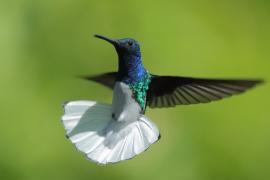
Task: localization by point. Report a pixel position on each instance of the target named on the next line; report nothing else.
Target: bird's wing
(168, 91)
(106, 79)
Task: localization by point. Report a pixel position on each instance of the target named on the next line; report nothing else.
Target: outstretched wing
(168, 91)
(106, 79)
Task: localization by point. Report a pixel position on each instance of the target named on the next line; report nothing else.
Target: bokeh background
(45, 45)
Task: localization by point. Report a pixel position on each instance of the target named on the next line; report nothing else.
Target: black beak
(113, 42)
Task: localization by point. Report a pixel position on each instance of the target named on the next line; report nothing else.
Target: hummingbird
(110, 133)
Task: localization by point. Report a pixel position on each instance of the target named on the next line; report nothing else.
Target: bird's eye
(130, 43)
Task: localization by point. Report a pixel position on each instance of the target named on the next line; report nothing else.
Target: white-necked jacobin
(109, 133)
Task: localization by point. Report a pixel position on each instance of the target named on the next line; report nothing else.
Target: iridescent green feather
(139, 89)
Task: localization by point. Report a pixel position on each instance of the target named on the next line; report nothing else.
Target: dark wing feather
(106, 79)
(168, 91)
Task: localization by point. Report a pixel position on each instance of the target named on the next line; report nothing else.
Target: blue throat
(131, 69)
(132, 72)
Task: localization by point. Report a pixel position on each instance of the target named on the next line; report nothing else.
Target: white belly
(124, 106)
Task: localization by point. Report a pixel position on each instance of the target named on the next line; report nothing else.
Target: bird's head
(129, 58)
(125, 48)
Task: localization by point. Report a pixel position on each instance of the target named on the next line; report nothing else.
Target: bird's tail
(92, 130)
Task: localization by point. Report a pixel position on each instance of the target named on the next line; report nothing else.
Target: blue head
(130, 67)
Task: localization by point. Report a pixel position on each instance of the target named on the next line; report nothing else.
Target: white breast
(124, 106)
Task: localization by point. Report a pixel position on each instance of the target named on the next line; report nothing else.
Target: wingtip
(84, 77)
(261, 81)
(257, 82)
(254, 82)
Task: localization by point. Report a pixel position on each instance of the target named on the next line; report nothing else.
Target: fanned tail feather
(92, 130)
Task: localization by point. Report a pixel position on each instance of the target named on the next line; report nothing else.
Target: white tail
(90, 127)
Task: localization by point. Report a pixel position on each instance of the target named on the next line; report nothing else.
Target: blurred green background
(45, 45)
